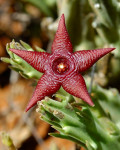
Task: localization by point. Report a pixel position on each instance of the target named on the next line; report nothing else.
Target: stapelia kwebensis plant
(74, 120)
(62, 67)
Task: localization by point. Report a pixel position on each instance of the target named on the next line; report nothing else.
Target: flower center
(60, 66)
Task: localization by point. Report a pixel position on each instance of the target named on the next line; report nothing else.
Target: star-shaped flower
(62, 67)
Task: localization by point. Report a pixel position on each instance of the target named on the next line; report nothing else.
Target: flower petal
(46, 86)
(62, 40)
(36, 59)
(76, 86)
(86, 58)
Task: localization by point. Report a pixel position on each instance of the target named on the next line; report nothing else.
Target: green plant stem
(81, 126)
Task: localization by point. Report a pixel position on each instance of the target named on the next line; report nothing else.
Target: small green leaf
(38, 49)
(4, 59)
(26, 46)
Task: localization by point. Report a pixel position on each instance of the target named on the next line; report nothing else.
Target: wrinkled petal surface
(86, 58)
(37, 60)
(76, 86)
(46, 86)
(62, 67)
(62, 40)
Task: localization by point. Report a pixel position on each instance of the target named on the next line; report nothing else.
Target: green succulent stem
(107, 19)
(79, 125)
(94, 128)
(18, 64)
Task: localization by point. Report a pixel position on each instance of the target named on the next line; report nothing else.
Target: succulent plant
(18, 64)
(62, 67)
(95, 128)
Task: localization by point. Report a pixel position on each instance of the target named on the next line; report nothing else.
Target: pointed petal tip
(109, 49)
(113, 49)
(13, 50)
(62, 19)
(27, 109)
(62, 40)
(62, 16)
(30, 105)
(90, 102)
(18, 52)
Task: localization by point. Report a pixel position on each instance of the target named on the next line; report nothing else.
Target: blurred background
(91, 24)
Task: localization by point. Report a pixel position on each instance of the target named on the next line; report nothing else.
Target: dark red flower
(62, 67)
